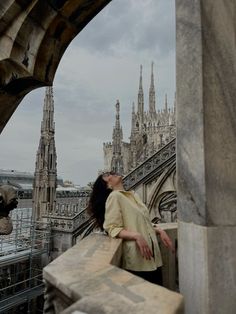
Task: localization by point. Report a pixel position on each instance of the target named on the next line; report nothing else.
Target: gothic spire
(47, 124)
(152, 101)
(140, 94)
(117, 159)
(117, 115)
(133, 119)
(166, 104)
(45, 177)
(133, 108)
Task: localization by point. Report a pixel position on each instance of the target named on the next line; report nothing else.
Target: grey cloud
(138, 24)
(100, 66)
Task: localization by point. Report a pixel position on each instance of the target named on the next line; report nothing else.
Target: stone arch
(162, 197)
(35, 35)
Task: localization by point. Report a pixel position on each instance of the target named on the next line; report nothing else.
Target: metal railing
(20, 260)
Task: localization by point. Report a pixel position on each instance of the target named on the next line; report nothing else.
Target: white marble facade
(150, 130)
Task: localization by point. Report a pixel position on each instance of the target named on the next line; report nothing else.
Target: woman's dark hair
(97, 200)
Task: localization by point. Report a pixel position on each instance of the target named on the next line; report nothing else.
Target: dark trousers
(154, 276)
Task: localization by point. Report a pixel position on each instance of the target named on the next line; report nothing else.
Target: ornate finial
(117, 114)
(140, 95)
(117, 105)
(166, 104)
(152, 100)
(133, 107)
(152, 78)
(175, 101)
(141, 79)
(48, 111)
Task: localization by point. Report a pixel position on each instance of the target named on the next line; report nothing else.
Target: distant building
(67, 196)
(21, 180)
(150, 130)
(17, 179)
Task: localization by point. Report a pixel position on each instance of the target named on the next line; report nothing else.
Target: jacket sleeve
(113, 222)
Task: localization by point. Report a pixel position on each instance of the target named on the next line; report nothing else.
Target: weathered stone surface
(6, 226)
(33, 38)
(84, 274)
(206, 111)
(206, 154)
(110, 303)
(207, 268)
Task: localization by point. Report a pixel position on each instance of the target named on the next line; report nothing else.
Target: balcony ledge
(87, 279)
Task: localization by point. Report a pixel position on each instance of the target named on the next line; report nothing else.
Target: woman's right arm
(140, 241)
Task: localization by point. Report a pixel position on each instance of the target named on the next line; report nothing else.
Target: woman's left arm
(166, 240)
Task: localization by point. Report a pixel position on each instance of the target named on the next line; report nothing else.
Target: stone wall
(206, 154)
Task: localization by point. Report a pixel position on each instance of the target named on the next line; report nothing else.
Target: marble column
(206, 154)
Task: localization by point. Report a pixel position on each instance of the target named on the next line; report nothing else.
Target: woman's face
(112, 179)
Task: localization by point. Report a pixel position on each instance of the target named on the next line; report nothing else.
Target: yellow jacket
(125, 210)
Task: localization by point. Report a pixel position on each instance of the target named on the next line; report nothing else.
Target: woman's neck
(118, 187)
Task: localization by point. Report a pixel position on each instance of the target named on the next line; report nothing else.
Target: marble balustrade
(87, 279)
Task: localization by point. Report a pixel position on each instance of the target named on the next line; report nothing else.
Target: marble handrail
(87, 279)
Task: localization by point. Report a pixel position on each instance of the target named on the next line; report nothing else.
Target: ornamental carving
(157, 161)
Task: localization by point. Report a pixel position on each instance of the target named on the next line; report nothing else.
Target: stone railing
(68, 224)
(87, 279)
(152, 166)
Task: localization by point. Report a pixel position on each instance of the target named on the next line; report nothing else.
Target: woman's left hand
(166, 240)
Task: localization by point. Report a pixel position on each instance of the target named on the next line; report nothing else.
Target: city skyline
(100, 66)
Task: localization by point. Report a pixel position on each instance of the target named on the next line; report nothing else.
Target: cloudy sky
(100, 66)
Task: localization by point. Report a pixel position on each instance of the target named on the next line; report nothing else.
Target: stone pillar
(206, 154)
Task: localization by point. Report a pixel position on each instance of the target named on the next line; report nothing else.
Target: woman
(123, 215)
